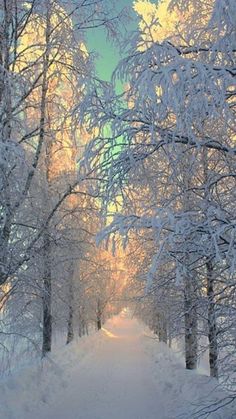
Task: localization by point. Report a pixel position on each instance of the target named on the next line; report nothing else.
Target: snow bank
(189, 394)
(31, 387)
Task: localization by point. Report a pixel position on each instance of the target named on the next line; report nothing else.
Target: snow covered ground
(120, 373)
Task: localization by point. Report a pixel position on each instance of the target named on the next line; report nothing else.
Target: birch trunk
(6, 127)
(212, 323)
(99, 315)
(70, 322)
(162, 333)
(190, 281)
(190, 317)
(212, 326)
(47, 283)
(47, 296)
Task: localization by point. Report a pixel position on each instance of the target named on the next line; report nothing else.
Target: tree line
(171, 160)
(52, 276)
(151, 169)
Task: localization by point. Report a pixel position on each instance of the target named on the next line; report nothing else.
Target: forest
(119, 194)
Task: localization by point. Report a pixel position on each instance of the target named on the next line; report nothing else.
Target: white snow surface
(121, 372)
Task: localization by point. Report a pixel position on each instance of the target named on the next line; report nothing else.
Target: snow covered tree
(44, 68)
(180, 115)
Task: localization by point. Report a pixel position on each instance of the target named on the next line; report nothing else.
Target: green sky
(108, 53)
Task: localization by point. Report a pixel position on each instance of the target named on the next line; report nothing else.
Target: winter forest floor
(121, 372)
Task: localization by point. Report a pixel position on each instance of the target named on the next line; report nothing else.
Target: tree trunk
(190, 326)
(162, 332)
(99, 323)
(70, 326)
(81, 321)
(47, 297)
(5, 135)
(6, 45)
(99, 315)
(212, 326)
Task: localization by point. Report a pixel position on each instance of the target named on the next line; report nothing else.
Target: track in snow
(115, 382)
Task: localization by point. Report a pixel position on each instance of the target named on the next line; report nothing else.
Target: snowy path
(113, 383)
(119, 373)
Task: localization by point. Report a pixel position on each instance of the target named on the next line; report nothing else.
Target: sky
(108, 53)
